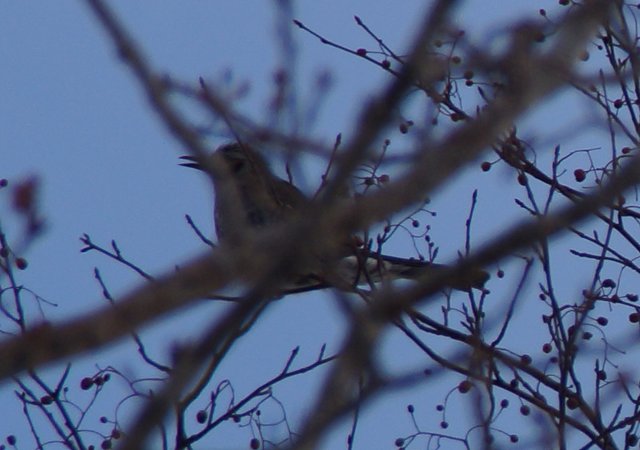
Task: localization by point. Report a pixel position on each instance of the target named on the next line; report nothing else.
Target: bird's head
(237, 160)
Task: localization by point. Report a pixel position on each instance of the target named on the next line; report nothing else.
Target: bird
(249, 197)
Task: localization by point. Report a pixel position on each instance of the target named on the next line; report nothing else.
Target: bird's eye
(237, 166)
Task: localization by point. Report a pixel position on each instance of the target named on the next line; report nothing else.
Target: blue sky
(72, 115)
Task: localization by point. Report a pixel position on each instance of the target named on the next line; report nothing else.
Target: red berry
(464, 386)
(580, 175)
(24, 195)
(86, 383)
(361, 52)
(21, 263)
(386, 64)
(522, 179)
(602, 375)
(603, 321)
(608, 283)
(485, 166)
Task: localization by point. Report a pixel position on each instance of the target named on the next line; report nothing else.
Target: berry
(86, 383)
(522, 179)
(608, 283)
(602, 375)
(603, 321)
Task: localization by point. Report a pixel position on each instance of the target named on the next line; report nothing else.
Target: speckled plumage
(249, 196)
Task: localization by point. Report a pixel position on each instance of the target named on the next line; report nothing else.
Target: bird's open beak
(192, 162)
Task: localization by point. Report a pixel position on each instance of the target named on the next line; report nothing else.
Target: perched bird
(262, 198)
(250, 197)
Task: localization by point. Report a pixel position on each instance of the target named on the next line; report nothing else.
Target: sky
(72, 115)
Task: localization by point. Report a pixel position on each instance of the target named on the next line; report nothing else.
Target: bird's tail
(369, 268)
(410, 268)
